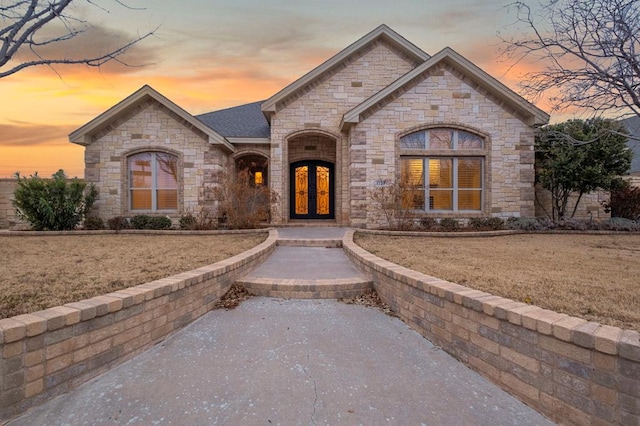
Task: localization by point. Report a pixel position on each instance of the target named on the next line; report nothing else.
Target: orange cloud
(22, 134)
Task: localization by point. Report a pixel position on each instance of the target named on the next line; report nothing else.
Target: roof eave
(82, 136)
(533, 115)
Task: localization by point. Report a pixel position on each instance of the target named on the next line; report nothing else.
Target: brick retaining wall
(46, 353)
(571, 370)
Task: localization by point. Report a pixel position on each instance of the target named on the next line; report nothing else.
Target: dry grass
(595, 277)
(41, 272)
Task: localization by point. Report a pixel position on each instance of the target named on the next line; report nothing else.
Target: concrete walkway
(289, 362)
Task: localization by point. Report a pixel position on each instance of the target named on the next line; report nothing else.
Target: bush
(159, 222)
(54, 204)
(143, 221)
(529, 223)
(93, 223)
(486, 223)
(624, 202)
(241, 203)
(428, 223)
(117, 223)
(203, 220)
(140, 221)
(449, 224)
(620, 224)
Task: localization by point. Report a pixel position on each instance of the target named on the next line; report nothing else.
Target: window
(445, 183)
(153, 181)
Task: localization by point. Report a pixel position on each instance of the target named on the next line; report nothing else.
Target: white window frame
(453, 153)
(154, 183)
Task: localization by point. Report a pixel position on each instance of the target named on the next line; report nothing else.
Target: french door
(312, 188)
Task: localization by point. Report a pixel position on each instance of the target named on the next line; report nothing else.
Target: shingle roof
(243, 121)
(633, 125)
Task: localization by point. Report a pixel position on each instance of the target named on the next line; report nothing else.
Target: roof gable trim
(383, 32)
(536, 116)
(81, 135)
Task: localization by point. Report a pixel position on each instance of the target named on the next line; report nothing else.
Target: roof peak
(382, 31)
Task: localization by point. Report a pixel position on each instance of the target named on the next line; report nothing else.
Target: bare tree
(590, 50)
(39, 32)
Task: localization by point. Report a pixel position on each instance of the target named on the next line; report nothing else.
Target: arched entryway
(312, 190)
(255, 166)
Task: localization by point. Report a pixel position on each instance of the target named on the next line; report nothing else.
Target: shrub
(203, 220)
(449, 224)
(140, 221)
(188, 222)
(143, 221)
(53, 204)
(624, 202)
(527, 224)
(579, 225)
(93, 223)
(428, 223)
(117, 223)
(395, 201)
(620, 224)
(159, 222)
(241, 203)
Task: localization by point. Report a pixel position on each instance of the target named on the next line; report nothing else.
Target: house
(633, 125)
(378, 112)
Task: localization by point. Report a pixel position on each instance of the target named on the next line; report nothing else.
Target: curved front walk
(289, 362)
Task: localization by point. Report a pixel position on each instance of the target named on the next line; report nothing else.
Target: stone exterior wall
(49, 352)
(151, 127)
(444, 98)
(573, 371)
(7, 212)
(369, 153)
(321, 107)
(634, 180)
(590, 206)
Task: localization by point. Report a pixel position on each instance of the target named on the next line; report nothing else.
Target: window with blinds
(153, 181)
(442, 183)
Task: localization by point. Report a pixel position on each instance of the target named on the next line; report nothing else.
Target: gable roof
(382, 32)
(82, 136)
(243, 121)
(535, 116)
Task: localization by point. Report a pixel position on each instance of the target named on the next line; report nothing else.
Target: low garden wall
(571, 370)
(46, 353)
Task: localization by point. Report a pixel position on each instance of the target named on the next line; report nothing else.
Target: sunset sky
(213, 54)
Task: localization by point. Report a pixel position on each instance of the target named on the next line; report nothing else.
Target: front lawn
(41, 272)
(595, 277)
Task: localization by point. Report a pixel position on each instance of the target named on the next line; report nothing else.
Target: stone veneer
(571, 370)
(444, 98)
(590, 207)
(369, 152)
(319, 109)
(8, 218)
(151, 127)
(46, 353)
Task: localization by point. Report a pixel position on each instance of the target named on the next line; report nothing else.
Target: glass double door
(312, 190)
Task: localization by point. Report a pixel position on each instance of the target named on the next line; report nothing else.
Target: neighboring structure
(378, 112)
(633, 125)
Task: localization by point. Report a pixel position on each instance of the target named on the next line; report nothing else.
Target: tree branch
(34, 26)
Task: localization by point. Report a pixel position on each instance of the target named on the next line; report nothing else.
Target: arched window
(153, 181)
(442, 170)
